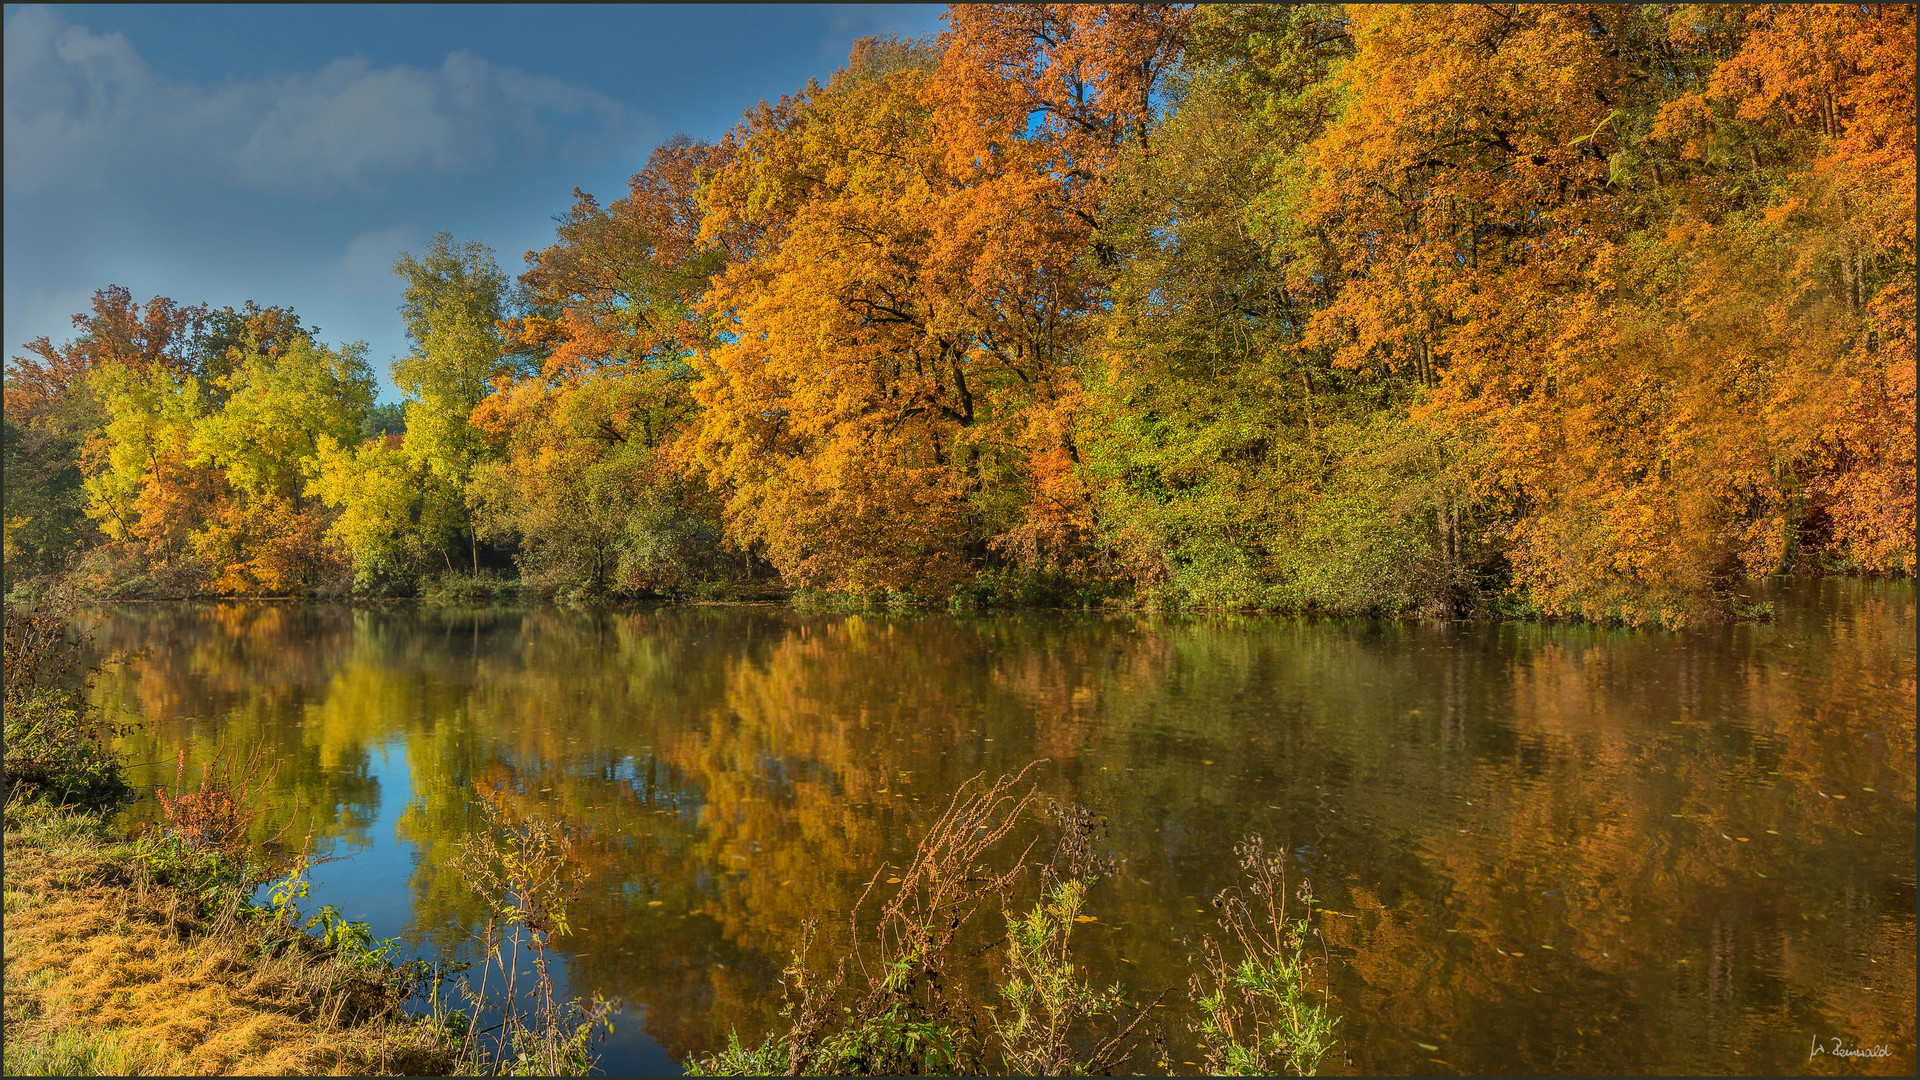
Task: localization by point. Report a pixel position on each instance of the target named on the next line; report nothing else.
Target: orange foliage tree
(1518, 228)
(894, 392)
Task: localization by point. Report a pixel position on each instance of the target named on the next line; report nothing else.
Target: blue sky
(287, 154)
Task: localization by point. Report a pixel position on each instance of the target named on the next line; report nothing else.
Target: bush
(891, 1006)
(57, 746)
(459, 585)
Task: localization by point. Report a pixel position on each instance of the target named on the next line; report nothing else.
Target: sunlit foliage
(1588, 311)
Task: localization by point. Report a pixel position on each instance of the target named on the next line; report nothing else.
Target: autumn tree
(1517, 228)
(583, 485)
(830, 404)
(894, 396)
(454, 303)
(281, 402)
(1035, 105)
(1584, 310)
(1833, 87)
(51, 413)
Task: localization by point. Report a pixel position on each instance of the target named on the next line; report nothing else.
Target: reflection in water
(1547, 848)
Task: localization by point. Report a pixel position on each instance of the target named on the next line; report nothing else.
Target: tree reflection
(1545, 848)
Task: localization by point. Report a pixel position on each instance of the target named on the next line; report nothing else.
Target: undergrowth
(522, 867)
(895, 1003)
(56, 745)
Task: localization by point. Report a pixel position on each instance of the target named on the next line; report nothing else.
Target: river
(1538, 848)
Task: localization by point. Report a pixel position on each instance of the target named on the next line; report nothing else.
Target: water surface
(1543, 849)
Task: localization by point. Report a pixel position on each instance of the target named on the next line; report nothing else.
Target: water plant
(887, 1007)
(1259, 1012)
(522, 866)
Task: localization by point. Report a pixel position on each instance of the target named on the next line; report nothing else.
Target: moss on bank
(109, 972)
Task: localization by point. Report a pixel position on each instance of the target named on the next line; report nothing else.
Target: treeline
(1581, 310)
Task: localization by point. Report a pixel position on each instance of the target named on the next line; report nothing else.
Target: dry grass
(107, 974)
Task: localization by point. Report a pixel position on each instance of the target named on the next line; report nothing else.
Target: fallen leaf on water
(893, 881)
(1773, 832)
(1867, 789)
(1086, 918)
(1451, 930)
(1742, 839)
(1546, 946)
(1839, 796)
(655, 903)
(1429, 1047)
(1206, 762)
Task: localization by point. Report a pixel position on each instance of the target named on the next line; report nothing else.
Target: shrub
(1259, 1014)
(522, 866)
(57, 745)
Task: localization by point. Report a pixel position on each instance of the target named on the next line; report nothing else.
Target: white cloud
(81, 106)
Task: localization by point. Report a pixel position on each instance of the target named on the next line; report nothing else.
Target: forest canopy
(1589, 311)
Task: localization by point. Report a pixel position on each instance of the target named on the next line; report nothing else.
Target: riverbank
(111, 972)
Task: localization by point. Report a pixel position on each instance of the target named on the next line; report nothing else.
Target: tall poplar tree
(454, 302)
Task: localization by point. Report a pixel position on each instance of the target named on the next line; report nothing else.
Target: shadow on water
(1545, 848)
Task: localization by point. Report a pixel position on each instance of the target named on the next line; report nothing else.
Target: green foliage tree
(392, 516)
(454, 303)
(229, 333)
(384, 420)
(279, 404)
(44, 515)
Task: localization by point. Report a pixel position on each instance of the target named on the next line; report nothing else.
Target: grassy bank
(111, 971)
(177, 948)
